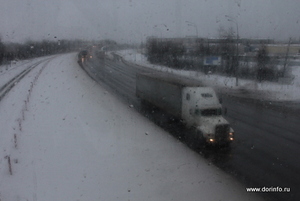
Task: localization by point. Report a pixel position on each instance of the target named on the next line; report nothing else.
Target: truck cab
(203, 111)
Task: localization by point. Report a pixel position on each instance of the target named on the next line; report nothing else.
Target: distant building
(282, 49)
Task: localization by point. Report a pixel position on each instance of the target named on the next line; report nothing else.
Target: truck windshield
(209, 112)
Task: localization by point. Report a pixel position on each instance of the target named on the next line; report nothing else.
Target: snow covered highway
(68, 138)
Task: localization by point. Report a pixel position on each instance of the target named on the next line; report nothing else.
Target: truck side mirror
(220, 100)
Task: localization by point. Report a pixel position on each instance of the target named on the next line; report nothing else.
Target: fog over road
(264, 153)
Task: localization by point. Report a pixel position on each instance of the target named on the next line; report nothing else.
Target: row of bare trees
(30, 49)
(174, 53)
(165, 52)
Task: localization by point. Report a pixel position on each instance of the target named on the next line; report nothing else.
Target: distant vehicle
(197, 106)
(82, 56)
(84, 53)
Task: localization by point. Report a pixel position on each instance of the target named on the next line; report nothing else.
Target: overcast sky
(134, 20)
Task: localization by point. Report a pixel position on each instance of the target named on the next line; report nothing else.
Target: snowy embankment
(70, 139)
(264, 90)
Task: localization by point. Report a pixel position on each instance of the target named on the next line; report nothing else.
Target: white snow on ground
(76, 141)
(265, 90)
(9, 71)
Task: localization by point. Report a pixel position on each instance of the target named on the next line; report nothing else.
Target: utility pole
(236, 69)
(156, 27)
(194, 25)
(286, 57)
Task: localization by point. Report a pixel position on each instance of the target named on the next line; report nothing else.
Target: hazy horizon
(132, 21)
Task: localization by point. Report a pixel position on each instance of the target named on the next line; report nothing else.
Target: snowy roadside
(263, 91)
(9, 71)
(79, 142)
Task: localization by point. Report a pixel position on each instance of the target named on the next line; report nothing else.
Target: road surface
(265, 153)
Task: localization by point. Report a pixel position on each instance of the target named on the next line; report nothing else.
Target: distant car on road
(82, 55)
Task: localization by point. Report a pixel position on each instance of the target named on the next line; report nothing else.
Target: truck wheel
(194, 139)
(189, 139)
(201, 140)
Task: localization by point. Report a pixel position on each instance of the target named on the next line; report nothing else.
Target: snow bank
(78, 142)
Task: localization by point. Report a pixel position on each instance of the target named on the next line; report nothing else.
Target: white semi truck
(188, 100)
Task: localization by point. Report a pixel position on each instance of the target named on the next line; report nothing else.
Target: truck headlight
(231, 136)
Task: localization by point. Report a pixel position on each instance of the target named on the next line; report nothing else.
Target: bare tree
(227, 48)
(2, 50)
(263, 59)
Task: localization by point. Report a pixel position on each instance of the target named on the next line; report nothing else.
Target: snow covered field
(265, 90)
(70, 139)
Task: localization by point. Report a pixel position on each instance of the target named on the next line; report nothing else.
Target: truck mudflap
(194, 138)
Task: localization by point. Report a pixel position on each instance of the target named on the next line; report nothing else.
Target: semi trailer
(195, 104)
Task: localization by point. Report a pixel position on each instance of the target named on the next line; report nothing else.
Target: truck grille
(222, 132)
